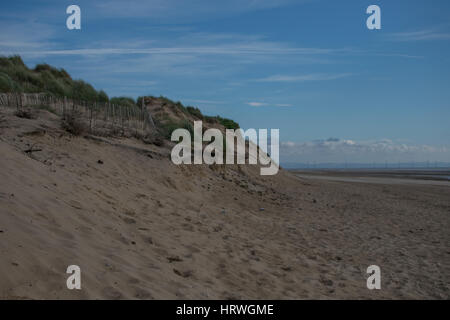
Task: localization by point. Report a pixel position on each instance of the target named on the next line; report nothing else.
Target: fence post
(90, 115)
(113, 116)
(122, 118)
(148, 117)
(142, 113)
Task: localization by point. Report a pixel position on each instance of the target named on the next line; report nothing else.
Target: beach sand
(140, 227)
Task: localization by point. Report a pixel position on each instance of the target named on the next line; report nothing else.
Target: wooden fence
(96, 114)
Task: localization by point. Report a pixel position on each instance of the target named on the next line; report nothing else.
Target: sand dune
(140, 227)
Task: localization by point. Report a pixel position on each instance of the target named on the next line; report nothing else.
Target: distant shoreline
(380, 176)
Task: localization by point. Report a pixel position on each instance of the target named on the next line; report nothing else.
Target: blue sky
(310, 68)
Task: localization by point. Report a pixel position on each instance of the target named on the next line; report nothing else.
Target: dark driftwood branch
(32, 150)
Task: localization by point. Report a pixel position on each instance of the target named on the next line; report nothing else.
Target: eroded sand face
(140, 227)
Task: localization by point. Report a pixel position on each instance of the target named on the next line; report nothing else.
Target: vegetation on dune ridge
(15, 76)
(196, 113)
(124, 101)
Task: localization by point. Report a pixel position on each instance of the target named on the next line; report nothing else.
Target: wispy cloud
(226, 49)
(16, 38)
(420, 35)
(305, 77)
(184, 10)
(264, 104)
(204, 101)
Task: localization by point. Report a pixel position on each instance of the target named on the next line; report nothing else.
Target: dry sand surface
(438, 177)
(140, 227)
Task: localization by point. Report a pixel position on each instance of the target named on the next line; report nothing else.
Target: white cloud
(340, 150)
(257, 104)
(305, 77)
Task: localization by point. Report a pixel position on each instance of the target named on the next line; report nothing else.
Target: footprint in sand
(184, 274)
(129, 220)
(111, 293)
(75, 204)
(142, 294)
(174, 259)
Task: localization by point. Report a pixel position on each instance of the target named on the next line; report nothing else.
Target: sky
(337, 91)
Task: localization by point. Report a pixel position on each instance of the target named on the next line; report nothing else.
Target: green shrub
(166, 100)
(102, 96)
(166, 128)
(73, 124)
(43, 67)
(5, 62)
(83, 91)
(6, 84)
(54, 86)
(228, 123)
(124, 101)
(16, 76)
(17, 60)
(195, 112)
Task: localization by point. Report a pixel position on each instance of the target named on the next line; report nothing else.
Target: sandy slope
(140, 227)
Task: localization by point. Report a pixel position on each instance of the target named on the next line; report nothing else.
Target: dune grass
(15, 76)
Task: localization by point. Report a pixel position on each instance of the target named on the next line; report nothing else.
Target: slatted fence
(96, 114)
